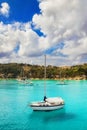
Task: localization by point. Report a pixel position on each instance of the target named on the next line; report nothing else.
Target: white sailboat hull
(48, 105)
(47, 108)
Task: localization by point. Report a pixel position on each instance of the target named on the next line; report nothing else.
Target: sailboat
(61, 81)
(23, 79)
(47, 104)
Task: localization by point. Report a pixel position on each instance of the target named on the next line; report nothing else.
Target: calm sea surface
(15, 114)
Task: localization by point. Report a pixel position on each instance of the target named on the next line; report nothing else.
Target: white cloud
(4, 9)
(19, 43)
(60, 21)
(64, 21)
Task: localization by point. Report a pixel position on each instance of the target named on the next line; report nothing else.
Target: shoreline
(62, 79)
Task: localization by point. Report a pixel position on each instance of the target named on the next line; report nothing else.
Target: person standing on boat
(45, 98)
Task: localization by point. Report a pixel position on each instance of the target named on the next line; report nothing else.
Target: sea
(16, 114)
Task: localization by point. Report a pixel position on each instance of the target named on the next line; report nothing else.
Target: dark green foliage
(14, 70)
(10, 70)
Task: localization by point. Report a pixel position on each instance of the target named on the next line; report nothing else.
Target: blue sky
(30, 28)
(21, 10)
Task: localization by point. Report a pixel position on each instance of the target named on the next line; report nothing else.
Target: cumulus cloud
(4, 9)
(64, 27)
(64, 21)
(18, 42)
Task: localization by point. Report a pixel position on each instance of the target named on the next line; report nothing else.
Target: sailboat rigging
(45, 80)
(61, 81)
(47, 104)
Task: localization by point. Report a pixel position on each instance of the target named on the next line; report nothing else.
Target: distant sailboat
(61, 81)
(23, 79)
(47, 104)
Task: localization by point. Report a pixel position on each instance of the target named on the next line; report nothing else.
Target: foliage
(14, 70)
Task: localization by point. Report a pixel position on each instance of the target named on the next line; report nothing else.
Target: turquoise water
(15, 114)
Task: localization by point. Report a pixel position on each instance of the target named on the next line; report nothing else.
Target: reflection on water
(60, 117)
(57, 115)
(46, 120)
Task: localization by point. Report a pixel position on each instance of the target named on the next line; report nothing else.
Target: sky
(29, 29)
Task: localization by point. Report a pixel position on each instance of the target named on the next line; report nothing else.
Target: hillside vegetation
(14, 70)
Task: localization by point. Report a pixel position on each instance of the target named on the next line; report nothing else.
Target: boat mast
(45, 78)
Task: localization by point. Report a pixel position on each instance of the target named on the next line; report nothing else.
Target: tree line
(15, 70)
